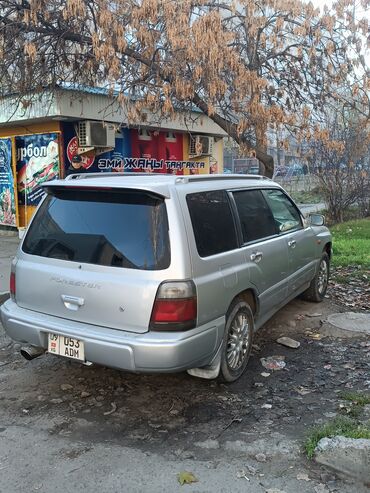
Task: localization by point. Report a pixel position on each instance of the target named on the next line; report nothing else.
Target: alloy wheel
(322, 278)
(238, 341)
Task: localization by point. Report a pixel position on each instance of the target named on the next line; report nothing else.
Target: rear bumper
(149, 352)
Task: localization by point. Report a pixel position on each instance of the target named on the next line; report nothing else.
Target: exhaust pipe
(31, 352)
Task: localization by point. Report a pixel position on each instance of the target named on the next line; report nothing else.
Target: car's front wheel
(319, 284)
(237, 343)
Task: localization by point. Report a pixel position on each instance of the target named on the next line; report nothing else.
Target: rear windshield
(116, 228)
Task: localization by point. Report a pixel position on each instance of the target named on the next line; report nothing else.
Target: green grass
(357, 398)
(351, 244)
(356, 402)
(342, 426)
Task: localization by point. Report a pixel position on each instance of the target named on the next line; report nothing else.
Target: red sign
(72, 150)
(160, 146)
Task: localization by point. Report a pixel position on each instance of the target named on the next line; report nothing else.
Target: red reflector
(12, 283)
(174, 311)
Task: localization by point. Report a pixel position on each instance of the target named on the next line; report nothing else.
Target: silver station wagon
(161, 273)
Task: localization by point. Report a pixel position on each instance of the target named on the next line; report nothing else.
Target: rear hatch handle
(72, 302)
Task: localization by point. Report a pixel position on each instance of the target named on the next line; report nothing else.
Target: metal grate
(82, 134)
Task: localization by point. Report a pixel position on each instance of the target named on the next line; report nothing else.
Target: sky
(360, 13)
(321, 3)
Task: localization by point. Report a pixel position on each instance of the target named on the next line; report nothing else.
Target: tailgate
(95, 256)
(116, 299)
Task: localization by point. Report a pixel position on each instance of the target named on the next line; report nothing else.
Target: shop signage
(146, 164)
(37, 162)
(7, 200)
(72, 150)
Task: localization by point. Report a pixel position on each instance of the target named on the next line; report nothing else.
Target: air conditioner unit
(200, 145)
(96, 134)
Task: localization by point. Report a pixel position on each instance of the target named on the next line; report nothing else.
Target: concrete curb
(349, 456)
(9, 233)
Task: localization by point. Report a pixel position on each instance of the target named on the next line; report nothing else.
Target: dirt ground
(214, 430)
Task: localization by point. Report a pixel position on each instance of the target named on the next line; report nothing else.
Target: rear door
(217, 260)
(265, 251)
(95, 256)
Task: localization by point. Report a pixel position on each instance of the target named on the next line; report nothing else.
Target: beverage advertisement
(37, 162)
(7, 196)
(164, 149)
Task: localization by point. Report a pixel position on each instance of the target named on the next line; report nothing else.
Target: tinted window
(115, 228)
(213, 223)
(255, 216)
(285, 212)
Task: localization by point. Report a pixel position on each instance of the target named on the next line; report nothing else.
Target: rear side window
(212, 221)
(256, 218)
(115, 228)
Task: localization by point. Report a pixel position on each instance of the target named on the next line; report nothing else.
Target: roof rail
(178, 179)
(193, 178)
(101, 174)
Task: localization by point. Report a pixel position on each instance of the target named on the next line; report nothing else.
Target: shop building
(41, 136)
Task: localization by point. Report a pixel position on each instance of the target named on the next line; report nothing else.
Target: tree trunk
(267, 160)
(232, 130)
(278, 157)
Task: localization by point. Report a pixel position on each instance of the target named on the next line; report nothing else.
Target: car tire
(237, 342)
(319, 284)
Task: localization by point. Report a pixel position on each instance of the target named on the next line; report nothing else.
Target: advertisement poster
(7, 200)
(135, 151)
(115, 159)
(108, 161)
(37, 162)
(163, 147)
(72, 150)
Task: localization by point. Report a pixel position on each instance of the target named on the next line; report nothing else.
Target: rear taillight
(175, 306)
(12, 285)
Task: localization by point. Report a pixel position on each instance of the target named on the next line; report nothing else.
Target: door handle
(292, 243)
(256, 256)
(72, 302)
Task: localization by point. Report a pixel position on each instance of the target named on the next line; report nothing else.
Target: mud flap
(210, 371)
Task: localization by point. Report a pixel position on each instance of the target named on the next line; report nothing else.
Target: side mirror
(316, 220)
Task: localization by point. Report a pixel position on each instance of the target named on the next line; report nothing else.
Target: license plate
(66, 346)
